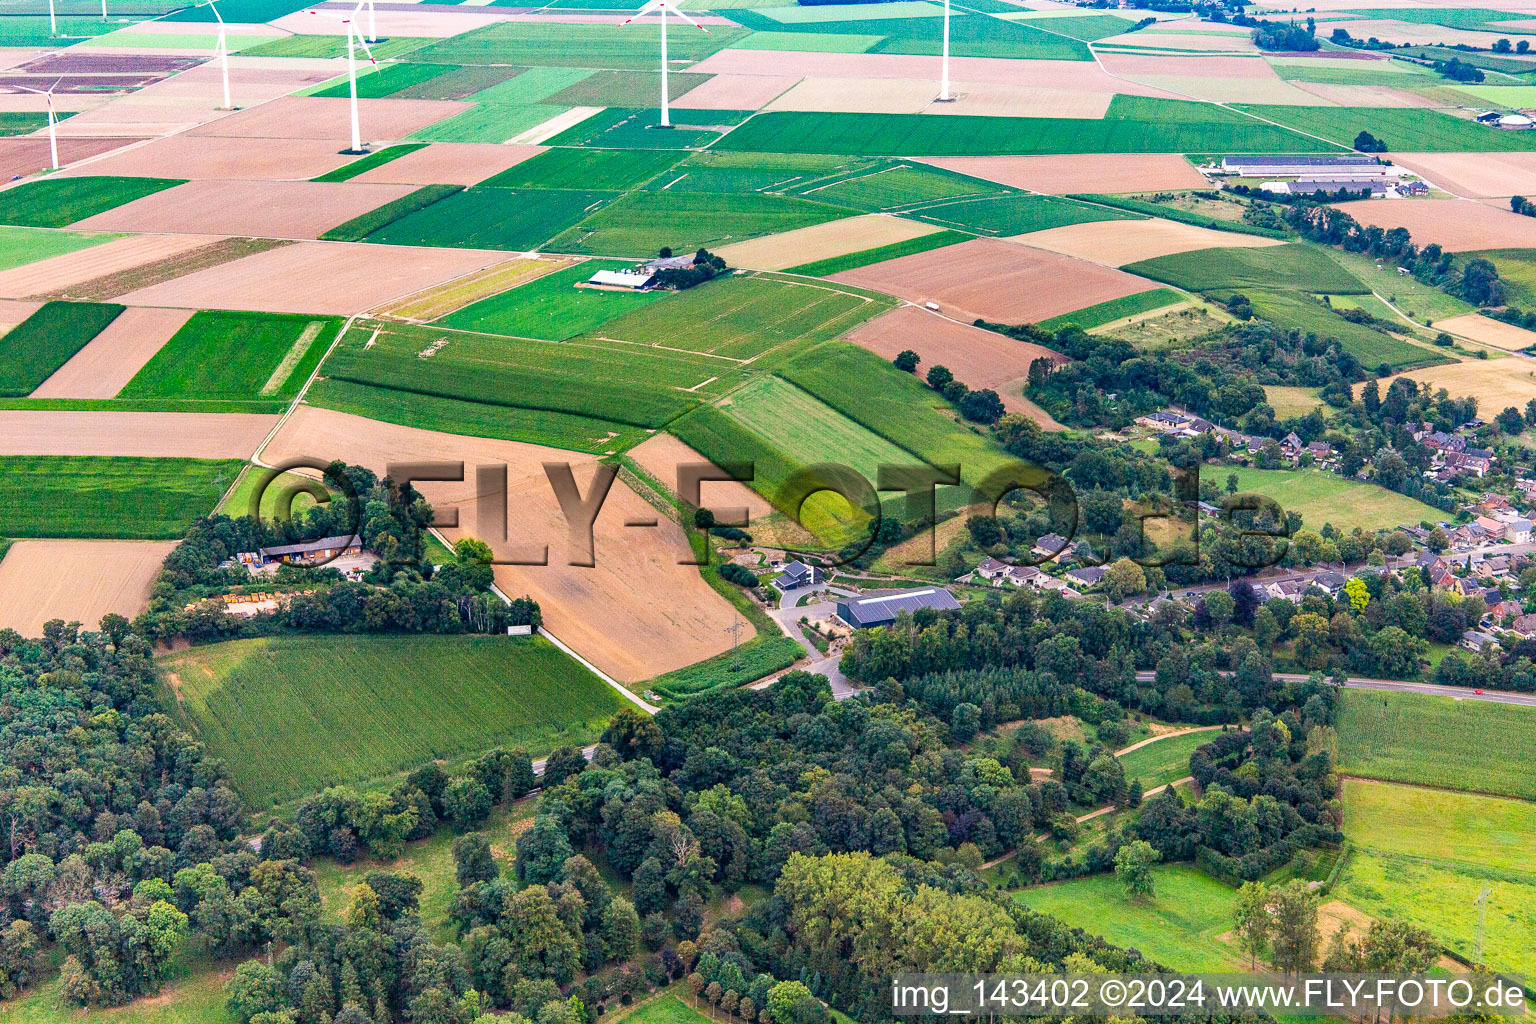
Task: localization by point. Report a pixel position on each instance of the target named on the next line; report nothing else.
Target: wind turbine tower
(663, 7)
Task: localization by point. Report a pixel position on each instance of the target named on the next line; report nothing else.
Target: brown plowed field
(450, 163)
(996, 280)
(663, 453)
(735, 92)
(859, 95)
(181, 156)
(1114, 243)
(1475, 175)
(169, 435)
(1139, 64)
(1456, 224)
(13, 313)
(280, 209)
(111, 257)
(76, 580)
(1073, 75)
(1060, 175)
(822, 241)
(316, 277)
(106, 365)
(28, 156)
(324, 117)
(984, 99)
(1366, 95)
(421, 24)
(635, 614)
(110, 286)
(980, 358)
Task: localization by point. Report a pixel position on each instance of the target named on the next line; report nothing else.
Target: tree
(907, 360)
(939, 376)
(1251, 921)
(542, 851)
(1133, 867)
(1293, 937)
(981, 406)
(255, 988)
(633, 735)
(472, 860)
(466, 801)
(1124, 578)
(790, 1002)
(1365, 142)
(1358, 593)
(562, 763)
(1220, 606)
(703, 519)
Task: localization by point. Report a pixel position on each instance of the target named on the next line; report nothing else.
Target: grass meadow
(551, 307)
(31, 351)
(500, 218)
(59, 202)
(1296, 266)
(1165, 761)
(1014, 214)
(1115, 309)
(232, 355)
(1323, 497)
(1471, 745)
(616, 169)
(370, 706)
(1178, 927)
(896, 185)
(641, 223)
(20, 246)
(97, 497)
(1294, 309)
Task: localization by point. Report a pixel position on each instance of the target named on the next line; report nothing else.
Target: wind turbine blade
(215, 9)
(364, 44)
(672, 10)
(650, 5)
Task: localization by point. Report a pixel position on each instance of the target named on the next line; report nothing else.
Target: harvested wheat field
(823, 241)
(983, 359)
(450, 163)
(987, 100)
(1456, 224)
(1366, 95)
(735, 92)
(110, 286)
(1233, 89)
(996, 280)
(169, 435)
(105, 366)
(662, 454)
(76, 580)
(1073, 75)
(112, 257)
(1475, 175)
(635, 614)
(23, 156)
(858, 96)
(316, 277)
(1194, 42)
(324, 117)
(275, 209)
(13, 313)
(1415, 34)
(1059, 175)
(181, 156)
(1114, 243)
(1488, 331)
(443, 299)
(1495, 383)
(1138, 65)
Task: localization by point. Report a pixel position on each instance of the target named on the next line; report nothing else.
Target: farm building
(1351, 166)
(1328, 186)
(310, 552)
(797, 574)
(636, 279)
(869, 612)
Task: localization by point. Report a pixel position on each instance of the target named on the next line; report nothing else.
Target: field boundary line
(1351, 777)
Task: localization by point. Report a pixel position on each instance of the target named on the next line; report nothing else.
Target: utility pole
(735, 629)
(1482, 912)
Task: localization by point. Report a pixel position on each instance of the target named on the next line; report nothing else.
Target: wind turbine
(354, 39)
(944, 96)
(223, 51)
(663, 6)
(53, 142)
(53, 22)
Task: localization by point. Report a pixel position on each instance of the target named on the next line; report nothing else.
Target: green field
(490, 123)
(1297, 265)
(1090, 27)
(668, 1009)
(93, 497)
(714, 171)
(377, 158)
(742, 317)
(633, 384)
(58, 202)
(636, 128)
(381, 217)
(1299, 311)
(1404, 130)
(579, 46)
(1438, 741)
(1165, 761)
(232, 355)
(642, 222)
(529, 85)
(20, 246)
(879, 254)
(897, 185)
(492, 218)
(1179, 927)
(1424, 856)
(956, 135)
(194, 994)
(755, 659)
(329, 48)
(815, 42)
(369, 706)
(551, 307)
(475, 419)
(1115, 309)
(1323, 497)
(1293, 401)
(971, 35)
(32, 350)
(386, 81)
(1015, 214)
(616, 169)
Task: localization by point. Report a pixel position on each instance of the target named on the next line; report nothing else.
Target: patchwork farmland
(360, 593)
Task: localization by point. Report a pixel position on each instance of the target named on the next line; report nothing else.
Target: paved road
(1405, 686)
(788, 619)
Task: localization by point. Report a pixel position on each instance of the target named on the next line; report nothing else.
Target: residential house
(1290, 445)
(1050, 546)
(1087, 576)
(1330, 582)
(998, 573)
(798, 574)
(1525, 625)
(1476, 640)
